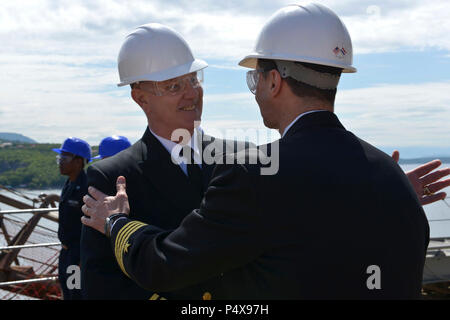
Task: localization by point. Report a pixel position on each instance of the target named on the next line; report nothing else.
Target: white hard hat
(309, 33)
(154, 52)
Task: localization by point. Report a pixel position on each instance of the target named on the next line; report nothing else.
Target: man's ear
(139, 97)
(275, 82)
(80, 162)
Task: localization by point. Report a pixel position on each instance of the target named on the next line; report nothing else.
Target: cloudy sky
(58, 68)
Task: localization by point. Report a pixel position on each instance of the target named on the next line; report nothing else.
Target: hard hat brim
(167, 74)
(251, 60)
(97, 157)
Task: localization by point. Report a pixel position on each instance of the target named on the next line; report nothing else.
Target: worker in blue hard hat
(111, 145)
(72, 157)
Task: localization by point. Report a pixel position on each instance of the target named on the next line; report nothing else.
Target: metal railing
(447, 246)
(12, 283)
(51, 214)
(27, 246)
(21, 211)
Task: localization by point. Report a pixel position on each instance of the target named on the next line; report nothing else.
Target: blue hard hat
(76, 146)
(109, 146)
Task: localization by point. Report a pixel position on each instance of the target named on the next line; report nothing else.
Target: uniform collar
(326, 119)
(298, 117)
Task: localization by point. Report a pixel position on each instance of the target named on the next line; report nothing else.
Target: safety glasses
(63, 158)
(253, 78)
(176, 86)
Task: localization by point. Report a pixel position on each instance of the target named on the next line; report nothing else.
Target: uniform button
(207, 296)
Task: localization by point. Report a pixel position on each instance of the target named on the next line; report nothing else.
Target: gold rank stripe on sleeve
(122, 244)
(122, 241)
(156, 296)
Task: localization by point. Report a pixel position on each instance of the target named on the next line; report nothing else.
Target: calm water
(436, 212)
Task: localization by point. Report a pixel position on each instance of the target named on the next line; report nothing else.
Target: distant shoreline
(424, 160)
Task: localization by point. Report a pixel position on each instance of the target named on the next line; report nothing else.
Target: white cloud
(222, 30)
(403, 115)
(417, 26)
(83, 31)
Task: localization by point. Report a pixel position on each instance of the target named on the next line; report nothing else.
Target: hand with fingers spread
(426, 184)
(98, 206)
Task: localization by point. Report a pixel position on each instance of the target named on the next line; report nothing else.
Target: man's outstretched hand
(98, 206)
(426, 184)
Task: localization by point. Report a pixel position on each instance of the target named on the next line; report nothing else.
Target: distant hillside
(15, 137)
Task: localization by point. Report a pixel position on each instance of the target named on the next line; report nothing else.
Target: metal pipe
(48, 213)
(12, 283)
(22, 211)
(26, 246)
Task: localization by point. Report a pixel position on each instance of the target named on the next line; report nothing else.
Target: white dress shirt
(180, 160)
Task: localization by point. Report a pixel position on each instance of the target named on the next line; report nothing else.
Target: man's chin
(269, 124)
(190, 125)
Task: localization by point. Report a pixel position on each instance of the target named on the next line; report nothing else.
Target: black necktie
(194, 171)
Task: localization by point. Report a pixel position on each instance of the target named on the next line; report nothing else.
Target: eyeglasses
(63, 158)
(176, 86)
(253, 78)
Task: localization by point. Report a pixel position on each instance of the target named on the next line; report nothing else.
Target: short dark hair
(302, 89)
